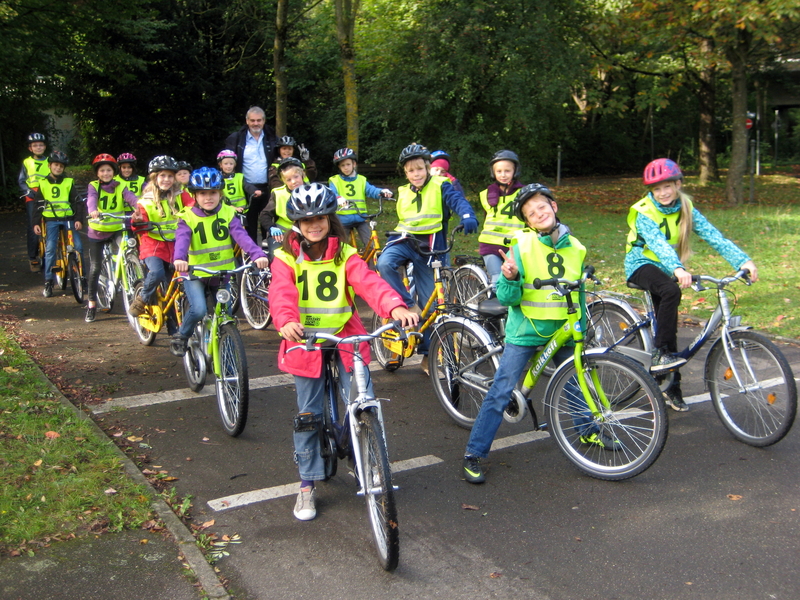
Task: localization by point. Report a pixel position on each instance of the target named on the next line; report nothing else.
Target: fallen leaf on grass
(37, 463)
(51, 435)
(469, 507)
(134, 438)
(10, 370)
(110, 491)
(143, 541)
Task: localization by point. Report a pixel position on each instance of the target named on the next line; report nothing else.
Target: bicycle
(750, 382)
(168, 303)
(217, 345)
(619, 399)
(353, 428)
(120, 270)
(254, 297)
(368, 252)
(68, 262)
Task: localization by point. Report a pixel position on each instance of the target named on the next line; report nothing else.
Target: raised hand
(509, 268)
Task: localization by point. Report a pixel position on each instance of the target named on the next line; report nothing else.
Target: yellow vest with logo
(109, 202)
(167, 225)
(36, 169)
(281, 199)
(668, 224)
(354, 191)
(421, 212)
(233, 189)
(543, 262)
(211, 245)
(501, 222)
(56, 197)
(134, 185)
(324, 297)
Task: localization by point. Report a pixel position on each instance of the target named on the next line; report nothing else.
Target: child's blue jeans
(51, 242)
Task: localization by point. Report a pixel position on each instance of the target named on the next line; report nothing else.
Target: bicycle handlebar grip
(539, 283)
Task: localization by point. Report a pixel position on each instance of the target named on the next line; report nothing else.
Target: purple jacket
(183, 236)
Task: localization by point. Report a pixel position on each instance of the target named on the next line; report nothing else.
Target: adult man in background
(254, 144)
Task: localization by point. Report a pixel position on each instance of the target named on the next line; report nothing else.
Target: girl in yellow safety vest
(315, 277)
(235, 189)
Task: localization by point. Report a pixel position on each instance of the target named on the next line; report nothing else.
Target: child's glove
(275, 231)
(386, 193)
(303, 152)
(470, 224)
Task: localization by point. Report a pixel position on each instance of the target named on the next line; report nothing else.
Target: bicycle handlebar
(310, 343)
(365, 216)
(563, 286)
(743, 274)
(420, 247)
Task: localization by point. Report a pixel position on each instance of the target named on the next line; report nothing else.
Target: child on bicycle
(285, 148)
(352, 191)
(104, 195)
(159, 205)
(236, 190)
(57, 202)
(656, 250)
(273, 218)
(546, 250)
(498, 202)
(205, 237)
(314, 277)
(423, 207)
(127, 173)
(34, 169)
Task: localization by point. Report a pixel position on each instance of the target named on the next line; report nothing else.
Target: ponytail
(684, 250)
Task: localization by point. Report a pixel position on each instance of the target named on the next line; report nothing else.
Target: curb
(206, 577)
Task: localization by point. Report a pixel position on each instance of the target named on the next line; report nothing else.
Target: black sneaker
(91, 312)
(673, 396)
(177, 345)
(473, 472)
(48, 289)
(663, 361)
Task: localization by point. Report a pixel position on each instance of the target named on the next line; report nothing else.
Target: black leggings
(666, 299)
(95, 248)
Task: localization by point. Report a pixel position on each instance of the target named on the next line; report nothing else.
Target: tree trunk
(737, 56)
(707, 97)
(279, 67)
(346, 11)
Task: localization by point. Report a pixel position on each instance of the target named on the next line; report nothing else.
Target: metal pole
(775, 126)
(752, 170)
(558, 168)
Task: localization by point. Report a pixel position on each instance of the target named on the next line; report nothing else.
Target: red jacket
(150, 247)
(284, 302)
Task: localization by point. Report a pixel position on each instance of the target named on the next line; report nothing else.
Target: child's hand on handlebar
(683, 276)
(181, 266)
(751, 266)
(262, 263)
(406, 317)
(293, 332)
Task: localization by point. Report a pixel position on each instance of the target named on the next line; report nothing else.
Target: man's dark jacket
(236, 142)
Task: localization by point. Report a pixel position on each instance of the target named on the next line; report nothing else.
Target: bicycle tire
(194, 361)
(385, 357)
(607, 323)
(254, 294)
(470, 286)
(454, 345)
(146, 336)
(106, 290)
(760, 416)
(133, 273)
(60, 273)
(638, 421)
(378, 490)
(233, 386)
(76, 282)
(330, 449)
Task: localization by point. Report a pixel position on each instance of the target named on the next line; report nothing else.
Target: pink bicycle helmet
(660, 170)
(226, 154)
(126, 157)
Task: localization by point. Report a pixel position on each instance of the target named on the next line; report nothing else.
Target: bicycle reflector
(223, 296)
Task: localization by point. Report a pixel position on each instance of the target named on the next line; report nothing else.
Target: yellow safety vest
(134, 185)
(668, 224)
(233, 189)
(324, 298)
(421, 212)
(36, 169)
(501, 222)
(167, 225)
(543, 262)
(109, 202)
(354, 191)
(211, 245)
(281, 199)
(56, 197)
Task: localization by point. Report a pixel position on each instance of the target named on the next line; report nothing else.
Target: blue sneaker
(473, 472)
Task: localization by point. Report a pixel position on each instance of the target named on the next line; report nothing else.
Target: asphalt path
(712, 518)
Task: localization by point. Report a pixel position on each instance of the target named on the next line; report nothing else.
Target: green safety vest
(211, 245)
(324, 298)
(134, 185)
(543, 262)
(168, 224)
(281, 200)
(421, 212)
(56, 197)
(233, 190)
(668, 224)
(36, 169)
(501, 222)
(354, 191)
(109, 202)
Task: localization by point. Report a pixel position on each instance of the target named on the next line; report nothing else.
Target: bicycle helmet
(226, 154)
(290, 161)
(505, 155)
(205, 178)
(36, 137)
(414, 151)
(660, 170)
(343, 154)
(58, 157)
(182, 165)
(527, 192)
(126, 157)
(310, 200)
(105, 159)
(162, 163)
(286, 140)
(440, 154)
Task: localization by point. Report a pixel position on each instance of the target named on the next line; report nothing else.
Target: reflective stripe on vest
(543, 262)
(281, 199)
(56, 197)
(668, 224)
(211, 245)
(324, 298)
(354, 191)
(421, 212)
(167, 225)
(233, 189)
(501, 222)
(36, 169)
(109, 202)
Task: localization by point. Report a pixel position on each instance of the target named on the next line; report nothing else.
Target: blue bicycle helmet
(205, 178)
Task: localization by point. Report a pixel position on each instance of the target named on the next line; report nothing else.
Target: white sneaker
(304, 508)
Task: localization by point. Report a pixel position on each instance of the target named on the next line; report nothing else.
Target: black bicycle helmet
(56, 156)
(528, 192)
(289, 161)
(205, 178)
(505, 155)
(310, 200)
(286, 140)
(343, 154)
(182, 165)
(414, 151)
(162, 163)
(36, 137)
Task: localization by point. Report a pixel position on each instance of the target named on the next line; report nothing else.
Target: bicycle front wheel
(462, 369)
(385, 357)
(76, 277)
(627, 435)
(60, 272)
(146, 336)
(378, 490)
(254, 295)
(762, 410)
(134, 273)
(106, 290)
(194, 361)
(233, 387)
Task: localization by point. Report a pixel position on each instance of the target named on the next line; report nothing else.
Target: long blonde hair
(172, 195)
(684, 247)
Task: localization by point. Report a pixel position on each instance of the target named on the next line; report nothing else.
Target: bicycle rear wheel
(462, 369)
(378, 489)
(470, 286)
(760, 413)
(254, 294)
(106, 289)
(634, 416)
(233, 387)
(609, 323)
(75, 270)
(385, 357)
(60, 273)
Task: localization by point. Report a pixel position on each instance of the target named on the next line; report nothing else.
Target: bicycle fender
(713, 347)
(481, 333)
